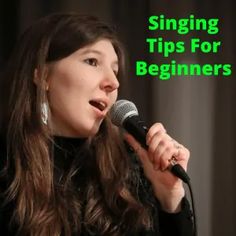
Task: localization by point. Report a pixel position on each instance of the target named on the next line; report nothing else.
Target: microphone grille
(121, 110)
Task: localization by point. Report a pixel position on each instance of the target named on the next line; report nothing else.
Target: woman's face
(82, 89)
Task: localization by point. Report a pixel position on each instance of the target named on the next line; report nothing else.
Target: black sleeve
(167, 224)
(177, 224)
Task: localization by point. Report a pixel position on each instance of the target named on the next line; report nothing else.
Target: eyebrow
(96, 52)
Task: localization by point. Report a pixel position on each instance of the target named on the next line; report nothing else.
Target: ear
(40, 78)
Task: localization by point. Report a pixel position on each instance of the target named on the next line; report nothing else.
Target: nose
(109, 82)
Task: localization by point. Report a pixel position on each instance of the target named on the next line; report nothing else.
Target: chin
(92, 130)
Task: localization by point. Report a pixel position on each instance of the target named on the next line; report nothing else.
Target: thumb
(142, 154)
(134, 144)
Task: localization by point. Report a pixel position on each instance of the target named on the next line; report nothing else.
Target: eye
(115, 69)
(115, 72)
(91, 61)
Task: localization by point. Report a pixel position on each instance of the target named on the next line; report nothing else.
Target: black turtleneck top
(74, 152)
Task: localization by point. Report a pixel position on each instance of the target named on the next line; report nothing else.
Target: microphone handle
(135, 126)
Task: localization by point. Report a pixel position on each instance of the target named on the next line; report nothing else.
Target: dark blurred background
(197, 111)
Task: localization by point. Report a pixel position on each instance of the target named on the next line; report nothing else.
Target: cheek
(66, 76)
(67, 86)
(62, 95)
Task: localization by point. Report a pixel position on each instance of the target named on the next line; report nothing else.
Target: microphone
(125, 114)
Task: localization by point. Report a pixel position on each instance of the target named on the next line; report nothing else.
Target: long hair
(40, 207)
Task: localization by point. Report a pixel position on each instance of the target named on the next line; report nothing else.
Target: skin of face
(82, 88)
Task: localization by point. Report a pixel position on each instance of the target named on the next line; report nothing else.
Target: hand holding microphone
(125, 114)
(157, 151)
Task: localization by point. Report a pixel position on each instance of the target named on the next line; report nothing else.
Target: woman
(67, 169)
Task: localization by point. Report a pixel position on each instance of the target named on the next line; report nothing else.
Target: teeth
(102, 104)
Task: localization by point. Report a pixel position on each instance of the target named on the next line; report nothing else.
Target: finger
(157, 147)
(162, 134)
(165, 158)
(154, 142)
(183, 157)
(155, 156)
(176, 144)
(164, 150)
(157, 127)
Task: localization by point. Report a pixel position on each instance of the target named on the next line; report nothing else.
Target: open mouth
(98, 104)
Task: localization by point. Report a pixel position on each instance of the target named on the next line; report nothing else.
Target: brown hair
(42, 209)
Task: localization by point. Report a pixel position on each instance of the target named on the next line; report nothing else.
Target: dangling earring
(44, 113)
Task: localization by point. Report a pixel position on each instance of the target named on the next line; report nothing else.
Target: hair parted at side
(41, 208)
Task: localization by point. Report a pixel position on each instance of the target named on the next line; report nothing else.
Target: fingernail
(156, 167)
(163, 169)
